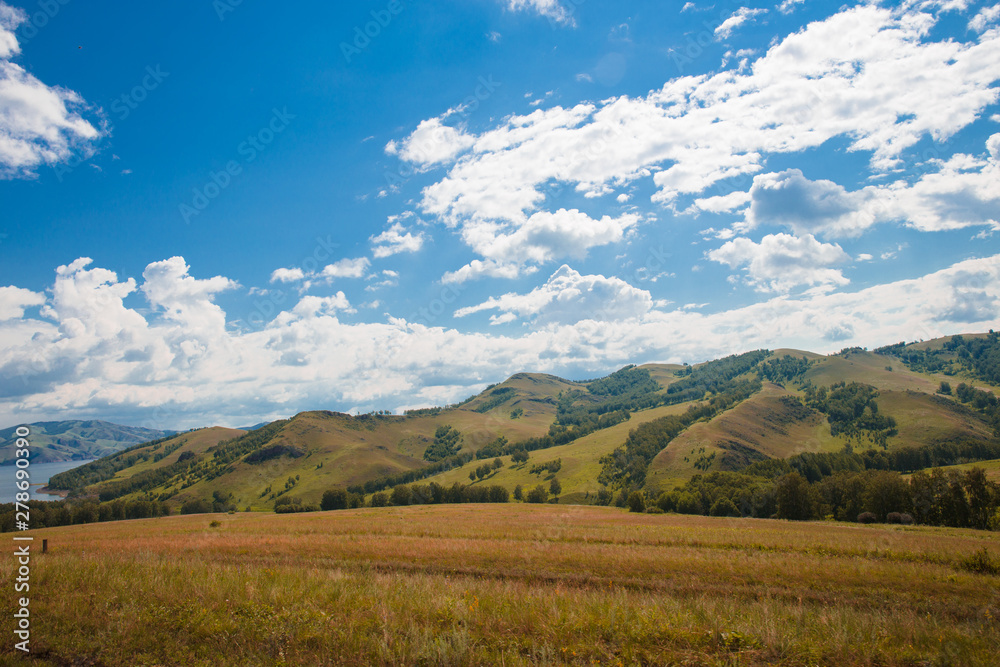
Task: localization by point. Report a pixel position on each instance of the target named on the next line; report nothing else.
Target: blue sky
(214, 212)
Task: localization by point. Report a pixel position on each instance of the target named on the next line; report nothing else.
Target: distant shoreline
(52, 492)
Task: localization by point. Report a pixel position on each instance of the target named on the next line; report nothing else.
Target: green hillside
(75, 440)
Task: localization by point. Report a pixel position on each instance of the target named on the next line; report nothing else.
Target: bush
(866, 517)
(688, 503)
(980, 562)
(724, 507)
(604, 496)
(653, 509)
(518, 492)
(334, 499)
(636, 503)
(379, 499)
(401, 495)
(537, 495)
(196, 507)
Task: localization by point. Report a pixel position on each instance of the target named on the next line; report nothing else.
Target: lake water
(40, 474)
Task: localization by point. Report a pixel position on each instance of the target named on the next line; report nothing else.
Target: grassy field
(506, 585)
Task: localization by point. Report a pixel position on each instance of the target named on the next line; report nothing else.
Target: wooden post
(45, 546)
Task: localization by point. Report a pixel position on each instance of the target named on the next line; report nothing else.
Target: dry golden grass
(507, 585)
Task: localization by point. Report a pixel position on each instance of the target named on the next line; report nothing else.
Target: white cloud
(431, 143)
(721, 203)
(993, 146)
(39, 124)
(292, 275)
(962, 192)
(10, 18)
(92, 356)
(186, 300)
(314, 306)
(790, 200)
(567, 298)
(987, 16)
(551, 9)
(13, 301)
(739, 17)
(868, 75)
(346, 268)
(788, 6)
(395, 240)
(542, 238)
(781, 262)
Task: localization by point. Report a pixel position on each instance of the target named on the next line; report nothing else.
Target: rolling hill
(75, 440)
(721, 415)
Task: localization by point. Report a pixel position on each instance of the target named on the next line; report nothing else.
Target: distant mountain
(252, 428)
(76, 440)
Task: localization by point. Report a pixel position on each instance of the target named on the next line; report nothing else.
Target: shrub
(688, 503)
(215, 524)
(379, 499)
(980, 562)
(401, 495)
(636, 503)
(196, 507)
(667, 502)
(866, 517)
(604, 496)
(724, 507)
(334, 499)
(537, 495)
(653, 509)
(518, 492)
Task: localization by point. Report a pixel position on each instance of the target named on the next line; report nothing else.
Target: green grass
(506, 585)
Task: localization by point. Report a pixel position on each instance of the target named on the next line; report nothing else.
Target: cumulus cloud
(431, 143)
(986, 17)
(568, 297)
(292, 275)
(346, 268)
(791, 200)
(39, 124)
(395, 240)
(13, 301)
(542, 238)
(781, 262)
(90, 355)
(960, 193)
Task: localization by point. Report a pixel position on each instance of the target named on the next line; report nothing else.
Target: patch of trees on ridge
(977, 356)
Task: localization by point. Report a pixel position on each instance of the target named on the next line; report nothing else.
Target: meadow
(508, 585)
